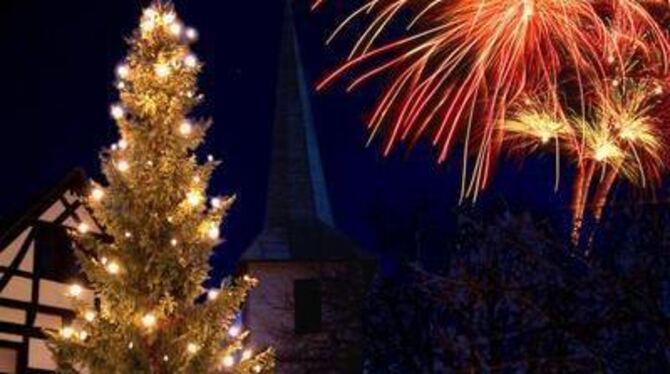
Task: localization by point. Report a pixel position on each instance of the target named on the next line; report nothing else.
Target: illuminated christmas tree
(147, 271)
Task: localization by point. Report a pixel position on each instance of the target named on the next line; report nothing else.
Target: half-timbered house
(37, 265)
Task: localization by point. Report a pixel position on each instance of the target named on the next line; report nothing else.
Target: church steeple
(297, 189)
(299, 222)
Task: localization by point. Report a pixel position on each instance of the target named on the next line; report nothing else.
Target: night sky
(57, 72)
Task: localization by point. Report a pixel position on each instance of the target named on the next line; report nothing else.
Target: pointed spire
(297, 189)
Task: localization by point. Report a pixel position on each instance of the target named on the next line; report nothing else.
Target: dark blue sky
(57, 72)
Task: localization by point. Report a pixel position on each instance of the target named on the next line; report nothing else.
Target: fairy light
(166, 358)
(162, 70)
(214, 232)
(212, 295)
(194, 198)
(191, 61)
(247, 354)
(210, 158)
(83, 228)
(117, 111)
(123, 144)
(122, 166)
(228, 361)
(149, 320)
(122, 71)
(176, 28)
(97, 194)
(67, 332)
(131, 345)
(103, 260)
(169, 18)
(217, 203)
(257, 368)
(234, 331)
(174, 242)
(192, 348)
(191, 34)
(186, 128)
(83, 335)
(75, 290)
(113, 268)
(89, 316)
(128, 235)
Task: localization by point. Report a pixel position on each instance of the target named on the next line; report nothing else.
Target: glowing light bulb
(234, 331)
(192, 348)
(214, 232)
(113, 268)
(228, 361)
(122, 166)
(103, 260)
(257, 368)
(128, 235)
(176, 28)
(210, 158)
(247, 354)
(191, 61)
(217, 203)
(122, 71)
(169, 17)
(123, 144)
(89, 316)
(67, 332)
(162, 70)
(166, 358)
(84, 228)
(117, 111)
(191, 34)
(212, 294)
(121, 85)
(83, 335)
(194, 198)
(149, 320)
(97, 194)
(147, 26)
(75, 290)
(131, 345)
(174, 242)
(186, 128)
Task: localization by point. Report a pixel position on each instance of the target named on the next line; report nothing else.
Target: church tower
(312, 278)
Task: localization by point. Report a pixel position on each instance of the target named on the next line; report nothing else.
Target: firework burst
(584, 79)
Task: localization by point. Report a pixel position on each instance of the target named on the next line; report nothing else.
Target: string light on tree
(117, 112)
(97, 194)
(214, 232)
(89, 316)
(113, 268)
(228, 361)
(149, 320)
(194, 198)
(234, 331)
(176, 29)
(123, 166)
(247, 354)
(186, 128)
(217, 203)
(83, 335)
(123, 71)
(162, 70)
(191, 61)
(212, 295)
(67, 332)
(75, 290)
(192, 348)
(191, 34)
(83, 228)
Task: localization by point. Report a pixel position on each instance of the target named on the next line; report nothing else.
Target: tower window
(307, 298)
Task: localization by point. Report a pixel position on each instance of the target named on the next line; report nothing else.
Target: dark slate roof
(299, 223)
